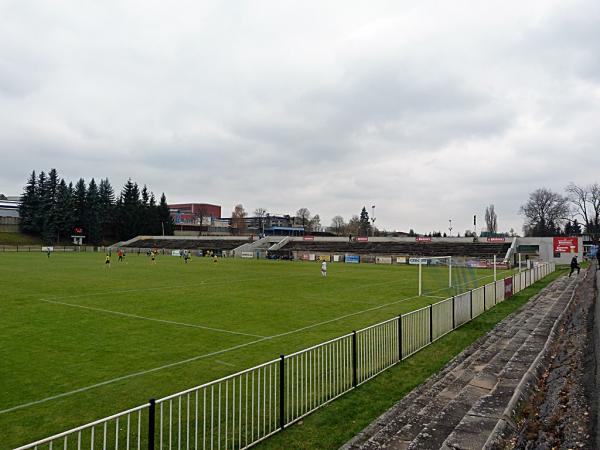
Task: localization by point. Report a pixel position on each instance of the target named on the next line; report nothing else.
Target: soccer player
(48, 252)
(120, 254)
(324, 268)
(107, 261)
(153, 257)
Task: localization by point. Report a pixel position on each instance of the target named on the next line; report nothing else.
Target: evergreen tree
(64, 210)
(92, 213)
(106, 209)
(29, 204)
(164, 216)
(364, 224)
(79, 205)
(568, 228)
(50, 224)
(576, 228)
(42, 206)
(129, 211)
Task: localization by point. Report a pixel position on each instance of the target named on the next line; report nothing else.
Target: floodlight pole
(519, 262)
(449, 271)
(372, 220)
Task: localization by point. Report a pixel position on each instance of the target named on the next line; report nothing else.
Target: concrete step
(460, 406)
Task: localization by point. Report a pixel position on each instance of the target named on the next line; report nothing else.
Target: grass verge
(339, 421)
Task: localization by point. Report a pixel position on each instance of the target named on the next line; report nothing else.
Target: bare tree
(260, 214)
(238, 222)
(353, 225)
(545, 212)
(338, 225)
(491, 219)
(586, 202)
(303, 217)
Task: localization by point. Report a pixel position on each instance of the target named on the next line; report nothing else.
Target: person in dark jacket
(574, 266)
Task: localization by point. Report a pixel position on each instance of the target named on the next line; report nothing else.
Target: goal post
(441, 261)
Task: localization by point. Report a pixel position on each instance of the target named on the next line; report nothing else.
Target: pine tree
(64, 210)
(79, 204)
(29, 205)
(50, 224)
(164, 216)
(42, 206)
(364, 225)
(576, 228)
(106, 209)
(92, 213)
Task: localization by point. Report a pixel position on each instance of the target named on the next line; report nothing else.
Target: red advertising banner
(508, 287)
(362, 239)
(423, 238)
(496, 239)
(566, 245)
(308, 238)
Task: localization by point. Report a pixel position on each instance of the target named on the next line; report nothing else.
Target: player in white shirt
(324, 268)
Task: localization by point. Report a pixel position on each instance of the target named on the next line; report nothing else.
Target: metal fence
(237, 411)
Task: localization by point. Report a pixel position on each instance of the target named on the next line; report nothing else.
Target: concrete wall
(546, 249)
(9, 224)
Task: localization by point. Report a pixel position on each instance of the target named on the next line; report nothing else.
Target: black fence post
(354, 360)
(400, 337)
(430, 324)
(151, 423)
(453, 313)
(282, 391)
(471, 314)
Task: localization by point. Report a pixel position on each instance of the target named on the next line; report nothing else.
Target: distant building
(10, 208)
(195, 213)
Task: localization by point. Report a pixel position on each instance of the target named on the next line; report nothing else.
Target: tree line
(52, 209)
(549, 213)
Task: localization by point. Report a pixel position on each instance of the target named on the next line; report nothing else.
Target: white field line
(198, 357)
(135, 316)
(131, 375)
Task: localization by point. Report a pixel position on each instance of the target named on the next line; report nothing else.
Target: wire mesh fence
(240, 410)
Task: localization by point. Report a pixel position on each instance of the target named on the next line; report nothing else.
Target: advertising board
(423, 239)
(566, 245)
(352, 259)
(383, 260)
(508, 287)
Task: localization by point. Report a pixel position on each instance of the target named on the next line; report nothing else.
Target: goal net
(442, 277)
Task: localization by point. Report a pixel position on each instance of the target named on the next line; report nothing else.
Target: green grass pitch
(80, 341)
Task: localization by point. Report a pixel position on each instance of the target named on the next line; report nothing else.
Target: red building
(194, 213)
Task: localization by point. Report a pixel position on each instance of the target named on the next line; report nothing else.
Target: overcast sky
(429, 110)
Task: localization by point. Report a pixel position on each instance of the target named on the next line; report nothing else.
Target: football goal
(435, 274)
(444, 276)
